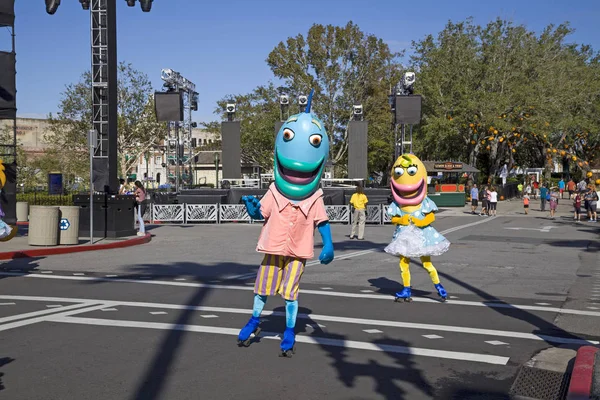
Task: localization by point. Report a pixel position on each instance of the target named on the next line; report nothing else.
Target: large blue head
(301, 150)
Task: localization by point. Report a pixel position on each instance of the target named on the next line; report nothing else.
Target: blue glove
(252, 206)
(327, 253)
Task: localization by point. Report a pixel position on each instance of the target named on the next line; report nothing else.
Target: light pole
(216, 170)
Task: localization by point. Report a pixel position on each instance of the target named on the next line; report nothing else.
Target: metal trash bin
(22, 211)
(69, 225)
(43, 226)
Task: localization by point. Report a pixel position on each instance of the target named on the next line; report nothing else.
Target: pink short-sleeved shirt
(289, 229)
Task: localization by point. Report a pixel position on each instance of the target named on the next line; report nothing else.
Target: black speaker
(408, 109)
(168, 106)
(231, 152)
(357, 150)
(278, 126)
(8, 106)
(7, 12)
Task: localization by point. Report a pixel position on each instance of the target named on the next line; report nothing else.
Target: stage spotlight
(85, 4)
(230, 108)
(284, 99)
(51, 6)
(358, 109)
(302, 100)
(146, 5)
(408, 82)
(130, 3)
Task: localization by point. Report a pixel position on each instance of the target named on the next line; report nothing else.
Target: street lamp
(216, 170)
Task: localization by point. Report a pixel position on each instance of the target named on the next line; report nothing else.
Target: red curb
(580, 386)
(10, 255)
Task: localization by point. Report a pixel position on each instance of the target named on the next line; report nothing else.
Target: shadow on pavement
(385, 376)
(3, 362)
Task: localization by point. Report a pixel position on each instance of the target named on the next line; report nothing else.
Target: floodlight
(230, 108)
(302, 100)
(85, 4)
(284, 99)
(166, 74)
(146, 5)
(51, 6)
(358, 109)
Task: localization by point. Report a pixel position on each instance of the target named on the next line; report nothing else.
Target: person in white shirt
(493, 201)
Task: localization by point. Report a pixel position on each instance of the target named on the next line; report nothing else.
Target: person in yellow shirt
(359, 201)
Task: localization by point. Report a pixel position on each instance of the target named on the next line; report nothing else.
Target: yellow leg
(404, 263)
(426, 260)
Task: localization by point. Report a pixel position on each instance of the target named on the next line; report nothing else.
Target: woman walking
(140, 206)
(493, 201)
(553, 202)
(359, 201)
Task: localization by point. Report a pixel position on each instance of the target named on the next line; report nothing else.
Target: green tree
(344, 66)
(137, 129)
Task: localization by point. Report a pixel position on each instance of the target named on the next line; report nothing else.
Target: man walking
(543, 196)
(474, 198)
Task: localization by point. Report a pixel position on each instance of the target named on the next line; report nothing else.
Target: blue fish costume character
(292, 208)
(413, 213)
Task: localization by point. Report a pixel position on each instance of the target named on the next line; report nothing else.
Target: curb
(580, 387)
(11, 255)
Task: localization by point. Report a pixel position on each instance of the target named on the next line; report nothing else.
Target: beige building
(30, 134)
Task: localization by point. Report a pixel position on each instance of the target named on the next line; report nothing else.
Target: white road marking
(331, 318)
(7, 304)
(46, 272)
(543, 304)
(593, 308)
(37, 315)
(210, 316)
(111, 276)
(54, 305)
(157, 312)
(31, 321)
(315, 292)
(545, 229)
(367, 291)
(109, 309)
(344, 256)
(180, 279)
(372, 331)
(349, 344)
(454, 297)
(432, 336)
(78, 273)
(495, 342)
(326, 288)
(241, 277)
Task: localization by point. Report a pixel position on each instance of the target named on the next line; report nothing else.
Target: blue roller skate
(441, 291)
(250, 328)
(404, 295)
(288, 344)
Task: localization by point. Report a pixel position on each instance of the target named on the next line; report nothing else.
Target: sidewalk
(514, 208)
(18, 247)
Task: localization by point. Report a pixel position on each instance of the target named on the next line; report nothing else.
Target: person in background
(484, 201)
(592, 197)
(359, 201)
(543, 197)
(474, 198)
(577, 207)
(553, 202)
(536, 189)
(526, 203)
(122, 188)
(561, 187)
(520, 190)
(493, 201)
(140, 205)
(571, 187)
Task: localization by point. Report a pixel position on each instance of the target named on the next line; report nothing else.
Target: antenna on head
(309, 101)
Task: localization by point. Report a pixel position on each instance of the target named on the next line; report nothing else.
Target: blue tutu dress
(5, 230)
(411, 241)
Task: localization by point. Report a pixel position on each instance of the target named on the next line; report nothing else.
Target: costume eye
(398, 171)
(288, 134)
(412, 170)
(315, 139)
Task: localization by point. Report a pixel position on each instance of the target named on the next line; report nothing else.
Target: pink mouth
(398, 191)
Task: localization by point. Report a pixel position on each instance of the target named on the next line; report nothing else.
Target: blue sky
(221, 46)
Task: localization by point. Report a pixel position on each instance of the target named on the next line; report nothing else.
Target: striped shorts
(279, 275)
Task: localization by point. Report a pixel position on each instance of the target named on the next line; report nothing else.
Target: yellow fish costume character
(7, 232)
(413, 213)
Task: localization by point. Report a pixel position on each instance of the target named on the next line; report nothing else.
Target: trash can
(22, 211)
(69, 225)
(43, 226)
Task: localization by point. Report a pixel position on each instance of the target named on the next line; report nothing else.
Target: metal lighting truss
(173, 80)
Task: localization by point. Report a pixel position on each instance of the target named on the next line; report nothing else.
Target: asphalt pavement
(160, 321)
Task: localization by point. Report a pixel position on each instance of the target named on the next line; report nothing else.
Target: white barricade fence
(233, 212)
(338, 213)
(169, 212)
(148, 213)
(385, 217)
(202, 212)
